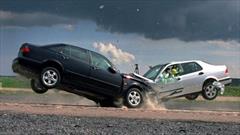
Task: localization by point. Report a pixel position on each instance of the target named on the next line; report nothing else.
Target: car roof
(62, 44)
(177, 62)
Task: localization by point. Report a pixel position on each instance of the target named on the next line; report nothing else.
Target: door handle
(201, 73)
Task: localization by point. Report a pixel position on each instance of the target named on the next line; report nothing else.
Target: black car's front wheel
(37, 86)
(50, 77)
(134, 98)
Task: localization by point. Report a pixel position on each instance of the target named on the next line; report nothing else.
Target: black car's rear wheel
(50, 77)
(37, 86)
(192, 96)
(134, 98)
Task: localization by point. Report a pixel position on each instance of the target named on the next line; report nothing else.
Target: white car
(188, 79)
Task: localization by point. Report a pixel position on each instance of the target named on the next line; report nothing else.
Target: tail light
(25, 49)
(226, 71)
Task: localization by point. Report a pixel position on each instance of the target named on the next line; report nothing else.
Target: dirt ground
(24, 112)
(75, 110)
(63, 98)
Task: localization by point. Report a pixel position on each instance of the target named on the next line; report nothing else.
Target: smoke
(117, 55)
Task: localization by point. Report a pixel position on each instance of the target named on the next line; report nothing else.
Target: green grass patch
(232, 91)
(14, 82)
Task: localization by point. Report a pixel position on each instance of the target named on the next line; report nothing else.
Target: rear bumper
(25, 67)
(226, 81)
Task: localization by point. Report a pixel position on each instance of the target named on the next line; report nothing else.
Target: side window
(61, 49)
(191, 67)
(100, 61)
(170, 74)
(79, 54)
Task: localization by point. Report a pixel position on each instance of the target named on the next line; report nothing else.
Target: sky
(147, 32)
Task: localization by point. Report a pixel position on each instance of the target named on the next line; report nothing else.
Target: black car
(78, 71)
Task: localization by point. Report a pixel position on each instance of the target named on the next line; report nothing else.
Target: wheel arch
(133, 86)
(209, 79)
(52, 63)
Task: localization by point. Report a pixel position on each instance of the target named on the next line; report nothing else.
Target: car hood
(138, 78)
(142, 78)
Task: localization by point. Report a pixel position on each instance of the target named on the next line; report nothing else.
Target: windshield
(153, 72)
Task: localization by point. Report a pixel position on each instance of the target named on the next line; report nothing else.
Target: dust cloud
(153, 103)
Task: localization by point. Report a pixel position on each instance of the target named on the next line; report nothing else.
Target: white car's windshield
(153, 72)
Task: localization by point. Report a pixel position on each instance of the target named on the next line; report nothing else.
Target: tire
(209, 92)
(134, 98)
(50, 77)
(192, 96)
(38, 87)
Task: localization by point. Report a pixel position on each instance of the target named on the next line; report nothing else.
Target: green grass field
(21, 82)
(14, 82)
(232, 91)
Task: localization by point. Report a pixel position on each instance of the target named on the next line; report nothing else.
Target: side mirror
(112, 70)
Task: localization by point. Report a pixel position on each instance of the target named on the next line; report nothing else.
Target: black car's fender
(53, 62)
(132, 82)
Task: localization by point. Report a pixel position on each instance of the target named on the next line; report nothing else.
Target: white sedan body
(194, 74)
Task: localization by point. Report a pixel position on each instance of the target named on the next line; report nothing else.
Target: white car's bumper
(219, 86)
(226, 81)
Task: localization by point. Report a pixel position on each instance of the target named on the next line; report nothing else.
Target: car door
(103, 80)
(77, 67)
(170, 86)
(192, 77)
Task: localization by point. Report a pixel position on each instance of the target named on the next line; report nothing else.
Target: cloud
(188, 20)
(69, 27)
(232, 44)
(12, 19)
(229, 48)
(226, 53)
(117, 55)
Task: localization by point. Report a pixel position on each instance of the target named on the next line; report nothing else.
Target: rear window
(190, 67)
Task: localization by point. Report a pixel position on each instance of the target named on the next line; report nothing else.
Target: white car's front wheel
(209, 91)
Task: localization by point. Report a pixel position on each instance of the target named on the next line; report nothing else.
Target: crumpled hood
(138, 77)
(143, 78)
